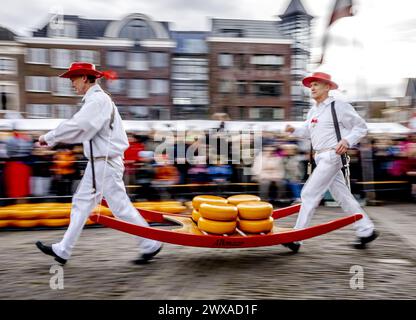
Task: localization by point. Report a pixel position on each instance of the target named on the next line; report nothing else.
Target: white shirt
(92, 121)
(319, 126)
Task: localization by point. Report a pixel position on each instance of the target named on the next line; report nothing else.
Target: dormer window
(237, 33)
(66, 29)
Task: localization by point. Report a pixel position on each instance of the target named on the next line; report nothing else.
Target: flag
(342, 8)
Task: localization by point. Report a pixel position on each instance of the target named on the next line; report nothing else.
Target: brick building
(250, 69)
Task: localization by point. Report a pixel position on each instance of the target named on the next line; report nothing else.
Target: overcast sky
(373, 51)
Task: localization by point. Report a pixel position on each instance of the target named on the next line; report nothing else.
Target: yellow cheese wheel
(188, 204)
(195, 215)
(4, 223)
(89, 222)
(221, 212)
(254, 210)
(256, 226)
(54, 222)
(24, 223)
(198, 200)
(55, 213)
(171, 209)
(25, 214)
(6, 214)
(217, 227)
(242, 198)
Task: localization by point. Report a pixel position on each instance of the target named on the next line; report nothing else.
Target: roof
(6, 34)
(87, 28)
(295, 7)
(246, 29)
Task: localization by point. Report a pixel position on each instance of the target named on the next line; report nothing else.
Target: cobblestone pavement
(100, 267)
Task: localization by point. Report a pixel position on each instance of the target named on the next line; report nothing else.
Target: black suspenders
(344, 157)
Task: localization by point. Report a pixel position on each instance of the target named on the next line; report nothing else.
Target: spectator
(17, 172)
(131, 158)
(145, 175)
(64, 170)
(198, 172)
(40, 182)
(269, 171)
(293, 170)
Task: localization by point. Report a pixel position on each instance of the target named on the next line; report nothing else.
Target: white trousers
(328, 176)
(109, 183)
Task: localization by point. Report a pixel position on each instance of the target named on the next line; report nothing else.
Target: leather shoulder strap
(335, 119)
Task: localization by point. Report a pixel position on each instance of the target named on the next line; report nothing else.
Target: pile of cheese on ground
(56, 214)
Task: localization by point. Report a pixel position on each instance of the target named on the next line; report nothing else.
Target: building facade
(250, 70)
(136, 47)
(190, 75)
(11, 75)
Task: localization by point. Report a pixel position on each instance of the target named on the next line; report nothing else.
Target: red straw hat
(319, 76)
(81, 69)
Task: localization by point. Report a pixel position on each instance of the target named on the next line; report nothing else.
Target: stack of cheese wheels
(239, 198)
(198, 200)
(214, 215)
(255, 216)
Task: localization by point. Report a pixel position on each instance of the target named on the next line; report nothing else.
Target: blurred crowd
(276, 164)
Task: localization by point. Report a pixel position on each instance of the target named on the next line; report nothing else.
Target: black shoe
(48, 250)
(146, 257)
(362, 241)
(292, 246)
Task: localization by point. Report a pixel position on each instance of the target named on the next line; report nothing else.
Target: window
(266, 113)
(67, 29)
(37, 84)
(61, 58)
(62, 87)
(268, 60)
(65, 111)
(296, 90)
(137, 30)
(116, 58)
(137, 89)
(194, 46)
(268, 88)
(190, 93)
(36, 55)
(235, 33)
(242, 87)
(159, 59)
(254, 113)
(8, 65)
(225, 86)
(137, 61)
(89, 56)
(116, 86)
(240, 62)
(158, 86)
(189, 69)
(278, 113)
(154, 113)
(38, 111)
(225, 60)
(139, 112)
